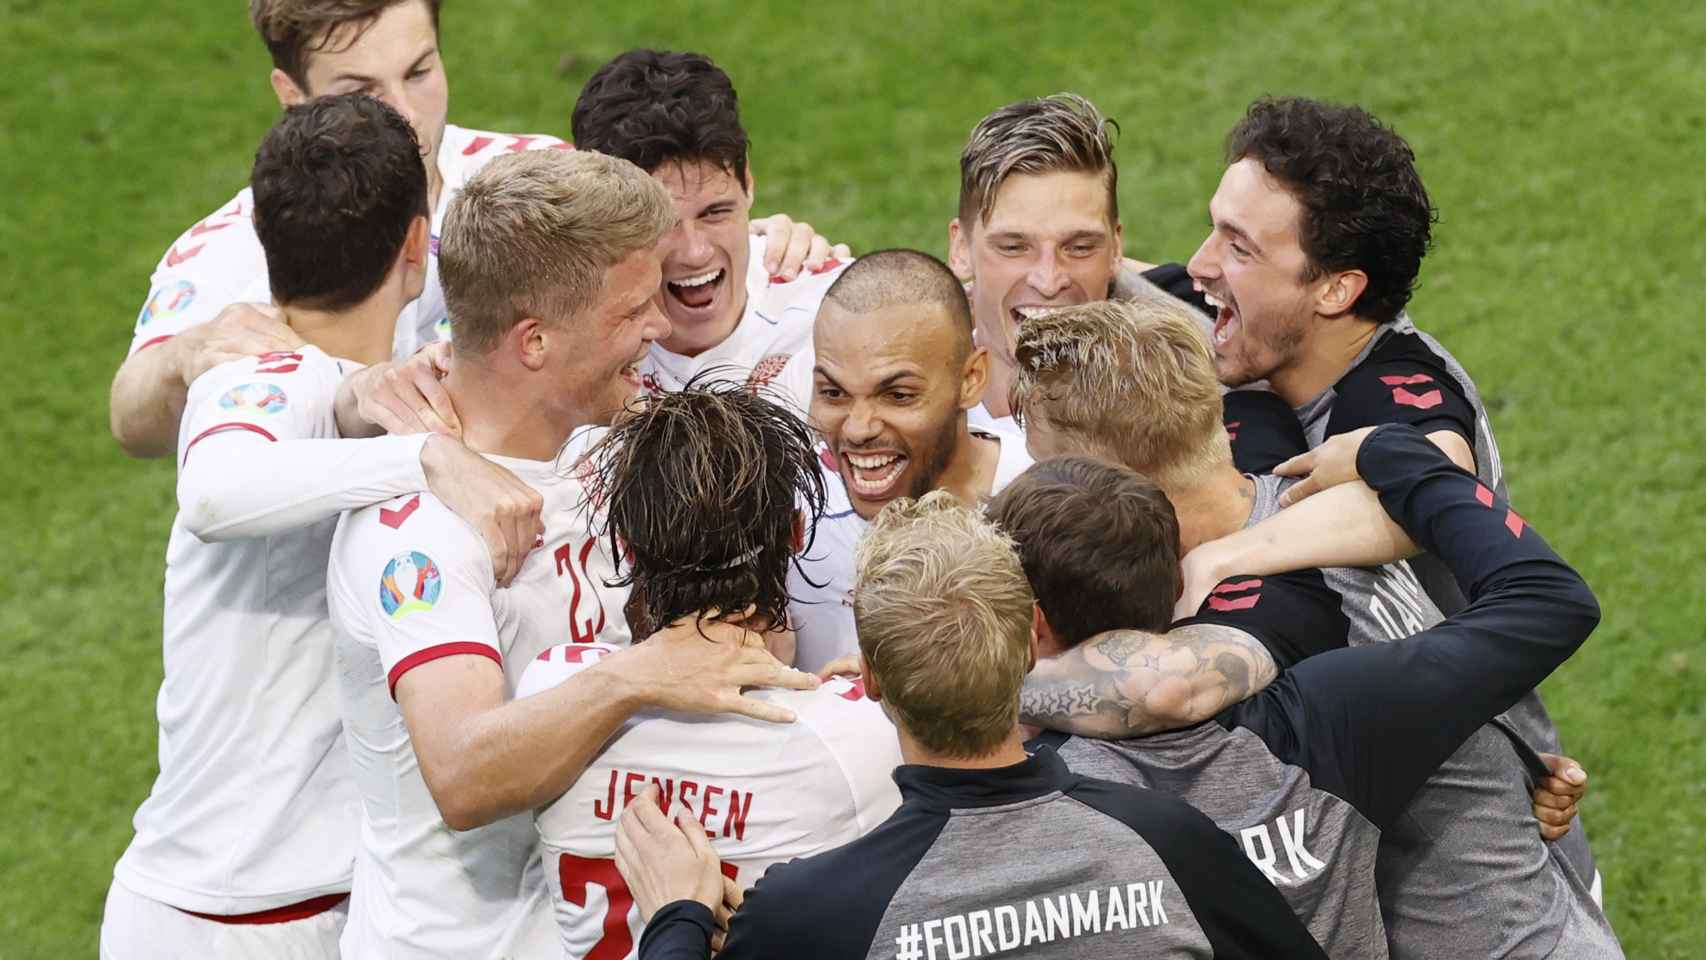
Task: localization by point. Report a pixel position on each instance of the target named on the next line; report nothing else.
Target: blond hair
(1131, 380)
(1059, 133)
(943, 611)
(533, 234)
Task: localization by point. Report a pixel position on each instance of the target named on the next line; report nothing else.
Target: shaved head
(905, 279)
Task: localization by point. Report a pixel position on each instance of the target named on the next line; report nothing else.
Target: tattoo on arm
(1127, 683)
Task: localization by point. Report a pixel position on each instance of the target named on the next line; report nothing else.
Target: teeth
(868, 462)
(700, 280)
(1212, 300)
(1031, 313)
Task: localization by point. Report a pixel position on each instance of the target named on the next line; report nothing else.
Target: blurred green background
(1561, 141)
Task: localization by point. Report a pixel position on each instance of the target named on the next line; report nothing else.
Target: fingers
(799, 247)
(757, 709)
(842, 251)
(646, 815)
(404, 381)
(733, 894)
(1300, 490)
(1298, 466)
(818, 254)
(439, 355)
(1566, 769)
(696, 838)
(423, 377)
(775, 230)
(840, 666)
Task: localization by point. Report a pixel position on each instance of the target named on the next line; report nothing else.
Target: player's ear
(288, 93)
(868, 680)
(1339, 292)
(959, 250)
(749, 185)
(418, 242)
(973, 378)
(1039, 630)
(527, 342)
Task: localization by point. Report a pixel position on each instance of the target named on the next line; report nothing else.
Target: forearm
(346, 407)
(1127, 683)
(147, 401)
(679, 931)
(1344, 526)
(230, 489)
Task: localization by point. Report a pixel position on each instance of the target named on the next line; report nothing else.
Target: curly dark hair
(1364, 206)
(702, 489)
(652, 107)
(337, 182)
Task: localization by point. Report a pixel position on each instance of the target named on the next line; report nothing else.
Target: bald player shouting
(896, 375)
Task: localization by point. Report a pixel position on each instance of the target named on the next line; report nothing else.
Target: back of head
(702, 489)
(653, 107)
(337, 183)
(293, 29)
(1099, 543)
(532, 235)
(1131, 381)
(944, 618)
(1364, 206)
(902, 278)
(1059, 133)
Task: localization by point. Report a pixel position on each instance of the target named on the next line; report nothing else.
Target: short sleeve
(264, 399)
(419, 582)
(214, 264)
(1263, 429)
(1294, 615)
(1401, 389)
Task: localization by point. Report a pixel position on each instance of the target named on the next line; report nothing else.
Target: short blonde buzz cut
(533, 234)
(1054, 134)
(943, 611)
(1128, 380)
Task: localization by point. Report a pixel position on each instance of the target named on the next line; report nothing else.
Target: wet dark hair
(652, 107)
(702, 487)
(1364, 206)
(337, 183)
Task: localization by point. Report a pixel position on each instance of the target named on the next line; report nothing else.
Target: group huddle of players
(461, 418)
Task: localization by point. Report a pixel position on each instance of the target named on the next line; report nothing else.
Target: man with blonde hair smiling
(550, 269)
(992, 850)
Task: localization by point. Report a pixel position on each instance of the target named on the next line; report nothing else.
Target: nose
(1045, 276)
(1204, 266)
(862, 424)
(396, 97)
(656, 325)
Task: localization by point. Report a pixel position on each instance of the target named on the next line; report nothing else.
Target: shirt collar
(947, 788)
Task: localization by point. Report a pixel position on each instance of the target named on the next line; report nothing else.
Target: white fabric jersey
(253, 805)
(771, 346)
(409, 583)
(219, 261)
(979, 416)
(765, 792)
(820, 585)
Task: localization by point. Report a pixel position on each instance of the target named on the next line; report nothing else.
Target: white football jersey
(820, 584)
(411, 582)
(219, 261)
(253, 805)
(765, 793)
(770, 347)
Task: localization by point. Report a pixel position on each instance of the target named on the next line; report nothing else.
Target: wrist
(627, 681)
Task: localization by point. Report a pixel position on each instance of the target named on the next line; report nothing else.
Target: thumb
(1297, 466)
(1299, 491)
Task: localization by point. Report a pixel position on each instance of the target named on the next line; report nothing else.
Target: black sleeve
(1263, 428)
(1172, 278)
(1372, 723)
(1295, 615)
(1403, 388)
(679, 931)
(1241, 913)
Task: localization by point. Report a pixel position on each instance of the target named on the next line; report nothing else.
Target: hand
(789, 246)
(240, 330)
(1200, 571)
(400, 397)
(1557, 796)
(492, 500)
(733, 897)
(847, 666)
(701, 665)
(1328, 465)
(666, 859)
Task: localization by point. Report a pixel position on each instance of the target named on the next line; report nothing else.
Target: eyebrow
(364, 78)
(1072, 237)
(1240, 233)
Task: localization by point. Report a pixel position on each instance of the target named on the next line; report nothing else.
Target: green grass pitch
(1561, 141)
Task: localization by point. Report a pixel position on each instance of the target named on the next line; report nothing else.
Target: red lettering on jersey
(1423, 401)
(707, 802)
(683, 793)
(730, 870)
(609, 810)
(632, 785)
(580, 631)
(286, 362)
(394, 518)
(576, 874)
(476, 145)
(826, 266)
(518, 144)
(205, 227)
(735, 823)
(173, 257)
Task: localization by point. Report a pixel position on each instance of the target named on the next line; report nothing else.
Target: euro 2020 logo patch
(410, 582)
(261, 398)
(168, 301)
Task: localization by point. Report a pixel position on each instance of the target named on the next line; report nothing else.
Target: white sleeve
(557, 664)
(259, 453)
(214, 264)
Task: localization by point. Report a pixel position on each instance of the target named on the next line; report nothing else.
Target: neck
(435, 183)
(996, 391)
(1322, 358)
(362, 333)
(1213, 507)
(1010, 751)
(500, 414)
(970, 473)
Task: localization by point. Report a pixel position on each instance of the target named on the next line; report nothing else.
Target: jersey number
(587, 630)
(578, 873)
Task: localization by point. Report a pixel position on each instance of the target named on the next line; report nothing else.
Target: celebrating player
(675, 115)
(896, 373)
(702, 488)
(237, 854)
(992, 850)
(550, 268)
(389, 49)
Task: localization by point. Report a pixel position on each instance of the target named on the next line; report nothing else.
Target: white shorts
(137, 928)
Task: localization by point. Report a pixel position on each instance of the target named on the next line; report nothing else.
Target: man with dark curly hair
(710, 492)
